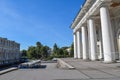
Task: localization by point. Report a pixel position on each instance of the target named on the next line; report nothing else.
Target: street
(84, 70)
(47, 72)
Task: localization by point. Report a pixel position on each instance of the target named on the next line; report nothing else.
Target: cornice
(82, 12)
(89, 13)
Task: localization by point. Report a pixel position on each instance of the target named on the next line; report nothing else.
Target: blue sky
(47, 21)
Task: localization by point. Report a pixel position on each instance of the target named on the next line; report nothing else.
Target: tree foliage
(59, 52)
(24, 53)
(38, 52)
(72, 50)
(55, 50)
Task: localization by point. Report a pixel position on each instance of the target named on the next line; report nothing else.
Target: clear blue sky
(47, 21)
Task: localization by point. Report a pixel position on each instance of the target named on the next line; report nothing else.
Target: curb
(7, 70)
(63, 64)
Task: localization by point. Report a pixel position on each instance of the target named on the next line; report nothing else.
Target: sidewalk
(7, 70)
(95, 70)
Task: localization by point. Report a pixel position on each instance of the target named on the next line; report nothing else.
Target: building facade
(96, 31)
(9, 51)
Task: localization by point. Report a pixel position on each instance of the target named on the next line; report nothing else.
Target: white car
(54, 59)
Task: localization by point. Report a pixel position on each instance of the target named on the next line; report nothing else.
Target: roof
(82, 12)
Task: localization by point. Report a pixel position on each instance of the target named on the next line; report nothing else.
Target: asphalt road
(48, 71)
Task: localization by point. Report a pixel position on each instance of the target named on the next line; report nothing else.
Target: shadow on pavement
(36, 67)
(43, 66)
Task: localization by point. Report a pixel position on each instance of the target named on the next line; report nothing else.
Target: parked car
(24, 60)
(54, 59)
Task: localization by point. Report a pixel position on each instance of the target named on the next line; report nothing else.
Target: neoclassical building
(9, 51)
(96, 31)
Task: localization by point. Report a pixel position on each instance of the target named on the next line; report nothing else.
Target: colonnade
(85, 38)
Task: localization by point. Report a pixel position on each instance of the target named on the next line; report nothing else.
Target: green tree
(24, 53)
(55, 50)
(72, 50)
(61, 51)
(47, 51)
(65, 53)
(38, 44)
(32, 52)
(38, 50)
(44, 51)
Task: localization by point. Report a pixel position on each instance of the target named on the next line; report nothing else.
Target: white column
(101, 53)
(100, 44)
(108, 44)
(99, 50)
(75, 46)
(79, 50)
(118, 41)
(84, 43)
(93, 40)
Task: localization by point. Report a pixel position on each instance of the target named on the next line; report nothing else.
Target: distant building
(49, 51)
(96, 31)
(68, 50)
(9, 51)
